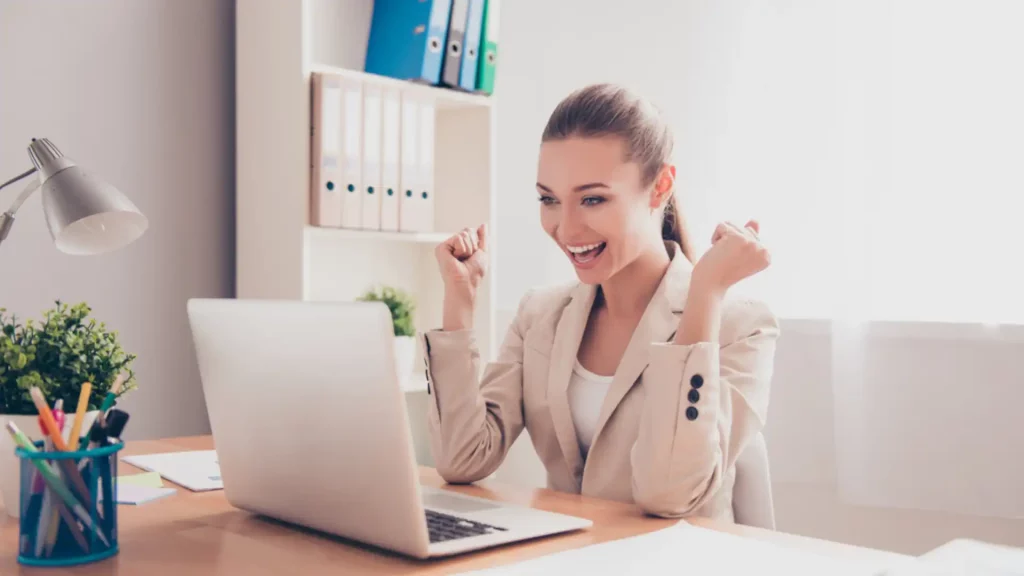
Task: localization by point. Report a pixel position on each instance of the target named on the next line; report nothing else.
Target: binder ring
(435, 44)
(455, 47)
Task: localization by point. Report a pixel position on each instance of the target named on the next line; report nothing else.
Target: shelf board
(350, 234)
(443, 98)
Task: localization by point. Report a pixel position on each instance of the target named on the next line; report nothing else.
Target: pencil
(76, 427)
(58, 441)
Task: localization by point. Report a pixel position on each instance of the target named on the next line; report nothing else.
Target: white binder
(409, 178)
(425, 199)
(390, 180)
(325, 195)
(352, 163)
(371, 190)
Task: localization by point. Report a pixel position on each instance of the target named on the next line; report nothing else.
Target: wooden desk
(200, 533)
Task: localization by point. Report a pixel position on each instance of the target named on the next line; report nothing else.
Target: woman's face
(593, 204)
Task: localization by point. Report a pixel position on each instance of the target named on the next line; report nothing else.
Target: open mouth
(585, 254)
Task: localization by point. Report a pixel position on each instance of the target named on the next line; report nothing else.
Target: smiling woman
(625, 396)
(621, 140)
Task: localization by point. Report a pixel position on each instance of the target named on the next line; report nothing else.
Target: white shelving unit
(279, 44)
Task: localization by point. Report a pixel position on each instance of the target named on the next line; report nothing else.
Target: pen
(58, 441)
(108, 402)
(54, 482)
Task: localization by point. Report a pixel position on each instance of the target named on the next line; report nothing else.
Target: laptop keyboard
(443, 527)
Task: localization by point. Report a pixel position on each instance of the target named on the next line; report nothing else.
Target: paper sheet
(964, 557)
(132, 494)
(151, 479)
(196, 470)
(684, 549)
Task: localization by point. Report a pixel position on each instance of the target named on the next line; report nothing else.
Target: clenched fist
(736, 253)
(462, 260)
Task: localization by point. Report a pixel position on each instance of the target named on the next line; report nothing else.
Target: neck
(628, 292)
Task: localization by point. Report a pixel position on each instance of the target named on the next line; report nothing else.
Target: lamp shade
(85, 214)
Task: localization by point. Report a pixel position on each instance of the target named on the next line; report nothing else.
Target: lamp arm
(7, 218)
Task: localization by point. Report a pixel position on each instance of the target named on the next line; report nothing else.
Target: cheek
(549, 219)
(624, 229)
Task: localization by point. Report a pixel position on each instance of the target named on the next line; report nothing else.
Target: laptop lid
(308, 417)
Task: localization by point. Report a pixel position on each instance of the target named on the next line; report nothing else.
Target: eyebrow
(580, 188)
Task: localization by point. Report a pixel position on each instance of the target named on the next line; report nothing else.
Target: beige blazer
(671, 451)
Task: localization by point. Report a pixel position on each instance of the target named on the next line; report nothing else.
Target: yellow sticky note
(151, 479)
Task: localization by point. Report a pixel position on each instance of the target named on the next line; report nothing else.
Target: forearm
(704, 402)
(457, 314)
(677, 455)
(702, 315)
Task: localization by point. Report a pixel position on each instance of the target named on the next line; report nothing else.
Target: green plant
(401, 305)
(58, 355)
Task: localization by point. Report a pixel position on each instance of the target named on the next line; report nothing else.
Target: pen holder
(68, 506)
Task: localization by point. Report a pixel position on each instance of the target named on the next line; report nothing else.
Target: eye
(547, 200)
(592, 200)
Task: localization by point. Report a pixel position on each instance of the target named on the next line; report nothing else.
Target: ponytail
(673, 229)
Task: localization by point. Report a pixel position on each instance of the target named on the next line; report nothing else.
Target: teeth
(582, 249)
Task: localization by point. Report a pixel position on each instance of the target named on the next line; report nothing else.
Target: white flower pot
(10, 467)
(405, 357)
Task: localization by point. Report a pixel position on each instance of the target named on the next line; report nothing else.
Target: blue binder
(471, 56)
(407, 39)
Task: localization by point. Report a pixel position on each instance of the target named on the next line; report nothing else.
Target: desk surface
(200, 533)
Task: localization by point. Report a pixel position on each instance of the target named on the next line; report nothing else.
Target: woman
(641, 383)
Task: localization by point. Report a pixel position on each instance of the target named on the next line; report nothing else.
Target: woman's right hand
(462, 260)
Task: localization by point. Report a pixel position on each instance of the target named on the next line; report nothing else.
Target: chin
(591, 277)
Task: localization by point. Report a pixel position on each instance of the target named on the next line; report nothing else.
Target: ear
(664, 184)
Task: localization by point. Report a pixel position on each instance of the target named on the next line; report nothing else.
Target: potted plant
(57, 355)
(402, 307)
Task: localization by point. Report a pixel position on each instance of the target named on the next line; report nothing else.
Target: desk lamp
(85, 215)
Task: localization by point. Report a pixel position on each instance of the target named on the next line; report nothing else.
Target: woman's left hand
(736, 253)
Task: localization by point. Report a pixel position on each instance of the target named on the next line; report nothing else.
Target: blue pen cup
(68, 506)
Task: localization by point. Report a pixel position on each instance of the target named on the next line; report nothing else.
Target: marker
(54, 481)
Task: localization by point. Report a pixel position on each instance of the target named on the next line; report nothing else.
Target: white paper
(136, 494)
(963, 557)
(196, 469)
(685, 549)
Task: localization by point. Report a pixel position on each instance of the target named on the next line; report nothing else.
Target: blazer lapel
(568, 335)
(658, 324)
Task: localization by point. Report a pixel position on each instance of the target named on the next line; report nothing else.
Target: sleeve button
(691, 413)
(693, 396)
(696, 381)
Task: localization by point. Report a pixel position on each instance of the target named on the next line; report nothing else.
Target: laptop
(310, 427)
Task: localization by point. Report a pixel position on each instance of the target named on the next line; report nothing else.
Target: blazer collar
(658, 324)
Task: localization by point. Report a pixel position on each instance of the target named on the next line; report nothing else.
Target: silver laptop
(310, 427)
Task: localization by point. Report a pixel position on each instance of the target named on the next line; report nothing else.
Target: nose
(571, 225)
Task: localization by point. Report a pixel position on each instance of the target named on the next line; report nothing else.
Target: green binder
(489, 49)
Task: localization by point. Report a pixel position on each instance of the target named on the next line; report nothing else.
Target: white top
(586, 394)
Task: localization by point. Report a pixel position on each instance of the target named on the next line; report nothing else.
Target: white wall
(678, 54)
(141, 92)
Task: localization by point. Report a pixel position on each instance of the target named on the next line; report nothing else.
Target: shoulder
(743, 317)
(540, 302)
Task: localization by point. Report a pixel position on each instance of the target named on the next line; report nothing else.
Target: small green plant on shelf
(58, 355)
(399, 303)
